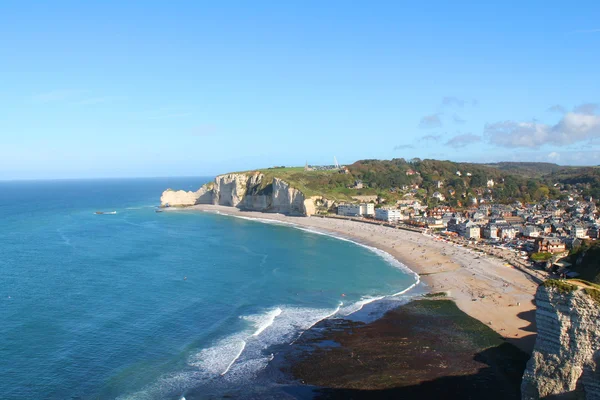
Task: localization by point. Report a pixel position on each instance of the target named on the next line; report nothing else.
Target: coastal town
(536, 234)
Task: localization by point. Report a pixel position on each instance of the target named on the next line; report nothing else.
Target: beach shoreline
(482, 286)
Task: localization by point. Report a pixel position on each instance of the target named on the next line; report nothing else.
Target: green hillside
(398, 178)
(529, 169)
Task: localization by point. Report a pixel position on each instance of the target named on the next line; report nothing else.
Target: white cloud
(587, 109)
(430, 121)
(579, 125)
(463, 140)
(434, 138)
(557, 108)
(554, 156)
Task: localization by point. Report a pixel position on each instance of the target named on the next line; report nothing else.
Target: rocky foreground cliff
(247, 191)
(565, 363)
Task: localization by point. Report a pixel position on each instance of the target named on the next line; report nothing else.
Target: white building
(388, 214)
(531, 231)
(490, 232)
(490, 183)
(473, 232)
(439, 196)
(579, 232)
(356, 210)
(508, 232)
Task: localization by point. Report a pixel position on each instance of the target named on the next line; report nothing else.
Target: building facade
(388, 214)
(356, 210)
(550, 245)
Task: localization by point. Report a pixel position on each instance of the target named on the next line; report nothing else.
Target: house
(549, 245)
(468, 229)
(439, 196)
(473, 232)
(434, 222)
(388, 214)
(507, 232)
(438, 184)
(458, 173)
(531, 231)
(578, 231)
(440, 211)
(358, 184)
(411, 172)
(356, 210)
(490, 231)
(490, 183)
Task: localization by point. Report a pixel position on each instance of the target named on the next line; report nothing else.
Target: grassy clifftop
(330, 184)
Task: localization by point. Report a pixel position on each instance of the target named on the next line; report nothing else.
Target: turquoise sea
(146, 305)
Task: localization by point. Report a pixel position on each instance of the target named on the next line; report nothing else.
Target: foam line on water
(243, 346)
(318, 320)
(269, 320)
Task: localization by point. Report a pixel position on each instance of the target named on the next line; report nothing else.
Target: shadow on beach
(427, 349)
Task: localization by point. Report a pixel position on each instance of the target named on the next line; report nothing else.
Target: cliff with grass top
(565, 363)
(284, 189)
(280, 190)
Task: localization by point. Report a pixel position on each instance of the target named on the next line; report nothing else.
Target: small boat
(158, 211)
(105, 212)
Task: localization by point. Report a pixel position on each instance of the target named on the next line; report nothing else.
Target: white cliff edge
(246, 192)
(565, 363)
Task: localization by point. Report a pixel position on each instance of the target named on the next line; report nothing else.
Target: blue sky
(198, 88)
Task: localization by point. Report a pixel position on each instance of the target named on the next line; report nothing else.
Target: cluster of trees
(587, 178)
(472, 180)
(526, 182)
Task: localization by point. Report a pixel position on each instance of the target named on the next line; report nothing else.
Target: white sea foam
(139, 207)
(264, 321)
(242, 347)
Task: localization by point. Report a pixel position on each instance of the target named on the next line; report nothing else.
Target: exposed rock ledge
(565, 363)
(246, 191)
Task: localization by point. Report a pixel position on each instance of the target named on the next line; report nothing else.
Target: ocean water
(146, 305)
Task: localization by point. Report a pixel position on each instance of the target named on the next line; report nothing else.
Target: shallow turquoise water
(152, 305)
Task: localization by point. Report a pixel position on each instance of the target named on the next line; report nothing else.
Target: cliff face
(565, 363)
(170, 197)
(247, 192)
(229, 190)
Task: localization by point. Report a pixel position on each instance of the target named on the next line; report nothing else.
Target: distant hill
(530, 169)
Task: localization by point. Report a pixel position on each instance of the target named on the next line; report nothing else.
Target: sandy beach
(484, 287)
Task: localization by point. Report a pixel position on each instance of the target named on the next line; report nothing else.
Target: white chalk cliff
(246, 191)
(565, 363)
